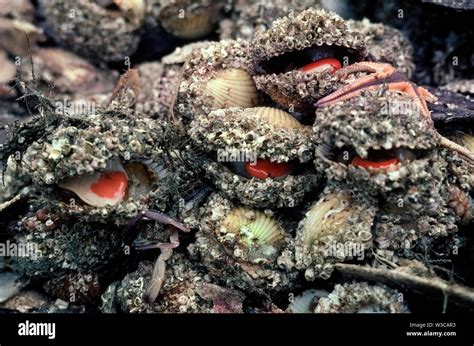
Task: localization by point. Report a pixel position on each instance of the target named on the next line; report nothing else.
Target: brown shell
(278, 118)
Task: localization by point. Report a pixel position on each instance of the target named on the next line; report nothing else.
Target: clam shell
(191, 27)
(278, 118)
(254, 226)
(232, 88)
(326, 216)
(81, 186)
(468, 141)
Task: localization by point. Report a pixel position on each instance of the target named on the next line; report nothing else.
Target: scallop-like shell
(254, 227)
(232, 88)
(278, 118)
(326, 216)
(191, 27)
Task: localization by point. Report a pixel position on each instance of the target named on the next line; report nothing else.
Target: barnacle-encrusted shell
(398, 236)
(240, 246)
(231, 88)
(72, 150)
(155, 101)
(180, 54)
(251, 133)
(335, 228)
(270, 193)
(297, 89)
(361, 297)
(73, 246)
(374, 121)
(263, 131)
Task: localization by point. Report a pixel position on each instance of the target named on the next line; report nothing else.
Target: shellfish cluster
(214, 177)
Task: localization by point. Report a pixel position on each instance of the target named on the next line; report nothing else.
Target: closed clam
(232, 88)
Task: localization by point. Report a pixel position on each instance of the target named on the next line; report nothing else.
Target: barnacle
(116, 38)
